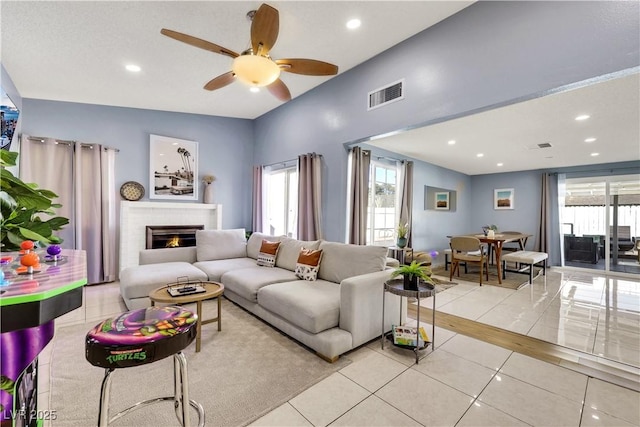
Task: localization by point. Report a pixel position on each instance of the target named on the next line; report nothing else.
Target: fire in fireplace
(171, 236)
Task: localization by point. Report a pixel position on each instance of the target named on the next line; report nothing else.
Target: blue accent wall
(491, 53)
(225, 145)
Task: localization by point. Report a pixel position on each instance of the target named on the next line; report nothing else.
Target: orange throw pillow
(268, 253)
(308, 264)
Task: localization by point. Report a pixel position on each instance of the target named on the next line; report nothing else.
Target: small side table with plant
(416, 283)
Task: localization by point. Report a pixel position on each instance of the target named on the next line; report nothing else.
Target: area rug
(443, 285)
(240, 374)
(512, 280)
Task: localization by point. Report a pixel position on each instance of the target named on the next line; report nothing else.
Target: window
(281, 201)
(382, 216)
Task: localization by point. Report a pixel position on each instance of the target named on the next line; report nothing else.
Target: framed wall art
(503, 198)
(442, 200)
(173, 168)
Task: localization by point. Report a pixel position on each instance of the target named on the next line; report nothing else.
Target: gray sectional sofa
(339, 311)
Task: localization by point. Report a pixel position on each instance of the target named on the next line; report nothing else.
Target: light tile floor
(464, 381)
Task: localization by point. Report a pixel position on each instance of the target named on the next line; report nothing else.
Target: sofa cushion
(268, 253)
(312, 306)
(255, 241)
(156, 256)
(139, 281)
(220, 244)
(290, 250)
(308, 264)
(216, 268)
(247, 281)
(341, 261)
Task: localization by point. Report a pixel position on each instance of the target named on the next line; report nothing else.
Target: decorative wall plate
(132, 191)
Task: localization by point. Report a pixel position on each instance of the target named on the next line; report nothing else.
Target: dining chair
(468, 249)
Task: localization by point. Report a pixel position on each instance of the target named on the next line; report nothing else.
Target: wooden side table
(212, 290)
(396, 287)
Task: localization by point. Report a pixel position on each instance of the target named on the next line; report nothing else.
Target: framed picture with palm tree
(173, 168)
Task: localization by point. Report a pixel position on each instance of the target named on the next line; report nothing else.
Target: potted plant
(22, 205)
(412, 273)
(403, 233)
(487, 228)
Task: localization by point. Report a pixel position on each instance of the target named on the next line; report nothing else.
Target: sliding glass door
(601, 223)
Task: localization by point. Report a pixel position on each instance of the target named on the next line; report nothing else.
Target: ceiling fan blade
(264, 29)
(309, 67)
(280, 90)
(221, 81)
(194, 41)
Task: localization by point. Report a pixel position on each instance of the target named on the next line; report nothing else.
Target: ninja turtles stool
(139, 337)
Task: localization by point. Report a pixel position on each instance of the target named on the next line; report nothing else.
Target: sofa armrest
(361, 306)
(159, 256)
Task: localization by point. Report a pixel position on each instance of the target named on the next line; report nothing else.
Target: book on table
(406, 335)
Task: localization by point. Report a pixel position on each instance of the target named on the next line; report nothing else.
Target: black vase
(410, 283)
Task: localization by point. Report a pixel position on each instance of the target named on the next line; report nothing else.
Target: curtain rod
(65, 142)
(391, 158)
(284, 162)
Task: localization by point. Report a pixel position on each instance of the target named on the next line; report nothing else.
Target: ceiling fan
(254, 66)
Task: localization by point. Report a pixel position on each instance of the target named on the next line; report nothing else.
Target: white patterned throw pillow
(268, 253)
(308, 264)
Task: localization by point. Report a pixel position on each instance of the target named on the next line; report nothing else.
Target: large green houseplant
(21, 207)
(412, 273)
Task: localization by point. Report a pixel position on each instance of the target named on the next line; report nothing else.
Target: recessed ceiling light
(479, 155)
(595, 154)
(582, 117)
(352, 24)
(500, 164)
(589, 140)
(451, 142)
(133, 68)
(254, 89)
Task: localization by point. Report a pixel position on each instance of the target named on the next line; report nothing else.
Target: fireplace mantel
(135, 216)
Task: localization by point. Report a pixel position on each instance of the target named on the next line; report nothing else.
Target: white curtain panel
(358, 195)
(406, 196)
(257, 200)
(543, 239)
(49, 163)
(83, 177)
(109, 241)
(310, 196)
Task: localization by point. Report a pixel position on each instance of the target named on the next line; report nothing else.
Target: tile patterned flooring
(466, 381)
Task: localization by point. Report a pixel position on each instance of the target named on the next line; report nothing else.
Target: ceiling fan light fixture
(255, 70)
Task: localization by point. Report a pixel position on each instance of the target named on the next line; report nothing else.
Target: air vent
(539, 146)
(386, 95)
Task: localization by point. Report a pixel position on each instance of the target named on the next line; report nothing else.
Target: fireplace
(171, 236)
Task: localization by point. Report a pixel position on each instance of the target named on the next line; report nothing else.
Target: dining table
(497, 241)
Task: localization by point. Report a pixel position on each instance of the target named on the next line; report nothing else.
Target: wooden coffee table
(213, 290)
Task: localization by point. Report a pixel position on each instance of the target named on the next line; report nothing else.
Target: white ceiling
(510, 134)
(76, 51)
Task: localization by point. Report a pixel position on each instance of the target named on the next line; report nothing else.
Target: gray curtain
(406, 196)
(309, 196)
(543, 239)
(83, 178)
(358, 195)
(257, 199)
